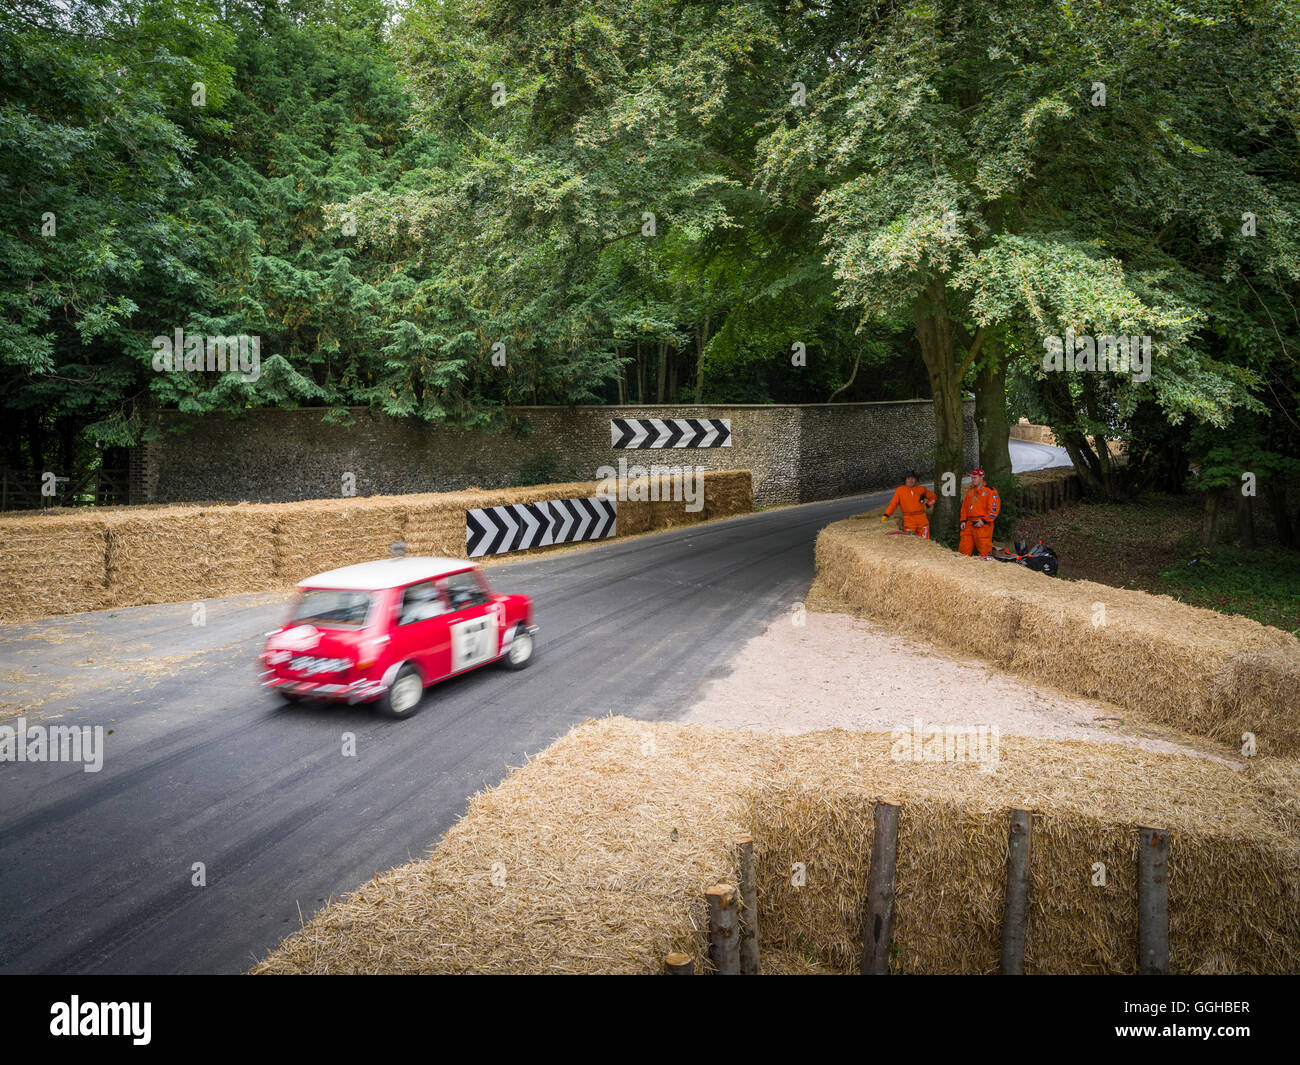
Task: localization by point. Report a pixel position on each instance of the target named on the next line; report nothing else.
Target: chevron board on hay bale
(1214, 675)
(606, 849)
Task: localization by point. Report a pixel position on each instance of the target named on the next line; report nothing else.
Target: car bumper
(358, 691)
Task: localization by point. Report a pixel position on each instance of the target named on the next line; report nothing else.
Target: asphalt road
(201, 766)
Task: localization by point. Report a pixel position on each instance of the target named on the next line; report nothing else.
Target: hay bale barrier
(68, 560)
(188, 554)
(596, 855)
(53, 567)
(1233, 888)
(1214, 675)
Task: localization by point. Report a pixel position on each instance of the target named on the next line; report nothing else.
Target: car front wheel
(520, 652)
(404, 697)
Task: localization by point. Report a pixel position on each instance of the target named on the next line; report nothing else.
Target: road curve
(97, 870)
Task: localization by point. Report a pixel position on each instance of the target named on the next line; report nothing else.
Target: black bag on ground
(1039, 558)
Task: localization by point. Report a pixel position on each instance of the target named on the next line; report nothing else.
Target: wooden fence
(733, 912)
(22, 489)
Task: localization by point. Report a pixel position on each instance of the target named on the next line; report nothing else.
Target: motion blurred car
(381, 632)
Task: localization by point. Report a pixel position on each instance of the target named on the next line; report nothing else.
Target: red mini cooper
(383, 631)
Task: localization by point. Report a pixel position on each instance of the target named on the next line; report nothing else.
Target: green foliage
(503, 161)
(1262, 584)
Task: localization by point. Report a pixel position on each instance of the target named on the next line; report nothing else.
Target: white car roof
(386, 573)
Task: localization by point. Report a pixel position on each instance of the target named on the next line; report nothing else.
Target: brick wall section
(143, 467)
(797, 453)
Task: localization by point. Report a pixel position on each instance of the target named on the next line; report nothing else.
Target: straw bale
(1211, 674)
(52, 567)
(198, 553)
(322, 534)
(1233, 896)
(594, 879)
(71, 559)
(728, 492)
(596, 882)
(1279, 778)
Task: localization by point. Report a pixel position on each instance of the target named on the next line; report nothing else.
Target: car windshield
(332, 608)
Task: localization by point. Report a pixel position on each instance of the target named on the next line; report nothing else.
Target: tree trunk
(851, 379)
(701, 340)
(640, 375)
(1210, 518)
(663, 371)
(1281, 515)
(1245, 519)
(935, 335)
(992, 423)
(1061, 415)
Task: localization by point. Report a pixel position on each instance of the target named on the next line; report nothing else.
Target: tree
(969, 161)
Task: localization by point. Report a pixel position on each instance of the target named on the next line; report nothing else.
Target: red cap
(977, 472)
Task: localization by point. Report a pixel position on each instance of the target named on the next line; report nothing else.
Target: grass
(1151, 545)
(1263, 584)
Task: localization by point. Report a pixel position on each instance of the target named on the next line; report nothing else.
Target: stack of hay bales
(609, 837)
(1212, 674)
(728, 492)
(65, 561)
(323, 534)
(188, 553)
(1234, 901)
(435, 523)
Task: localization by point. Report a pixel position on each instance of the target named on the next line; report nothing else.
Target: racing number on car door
(473, 641)
(474, 637)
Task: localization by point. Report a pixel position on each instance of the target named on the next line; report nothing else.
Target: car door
(420, 630)
(473, 622)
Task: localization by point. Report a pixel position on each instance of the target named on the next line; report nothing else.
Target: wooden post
(880, 891)
(679, 965)
(1153, 901)
(748, 907)
(724, 935)
(1016, 911)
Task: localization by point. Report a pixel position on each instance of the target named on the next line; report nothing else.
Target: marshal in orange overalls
(979, 504)
(912, 501)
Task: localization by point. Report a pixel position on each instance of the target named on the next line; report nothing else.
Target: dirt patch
(1122, 546)
(838, 671)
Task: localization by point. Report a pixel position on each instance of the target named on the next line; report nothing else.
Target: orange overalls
(912, 502)
(979, 503)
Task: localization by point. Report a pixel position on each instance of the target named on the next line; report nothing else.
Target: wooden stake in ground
(748, 907)
(724, 928)
(1153, 901)
(880, 891)
(1016, 911)
(679, 965)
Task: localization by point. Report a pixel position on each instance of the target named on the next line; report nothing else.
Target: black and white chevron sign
(518, 526)
(670, 432)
